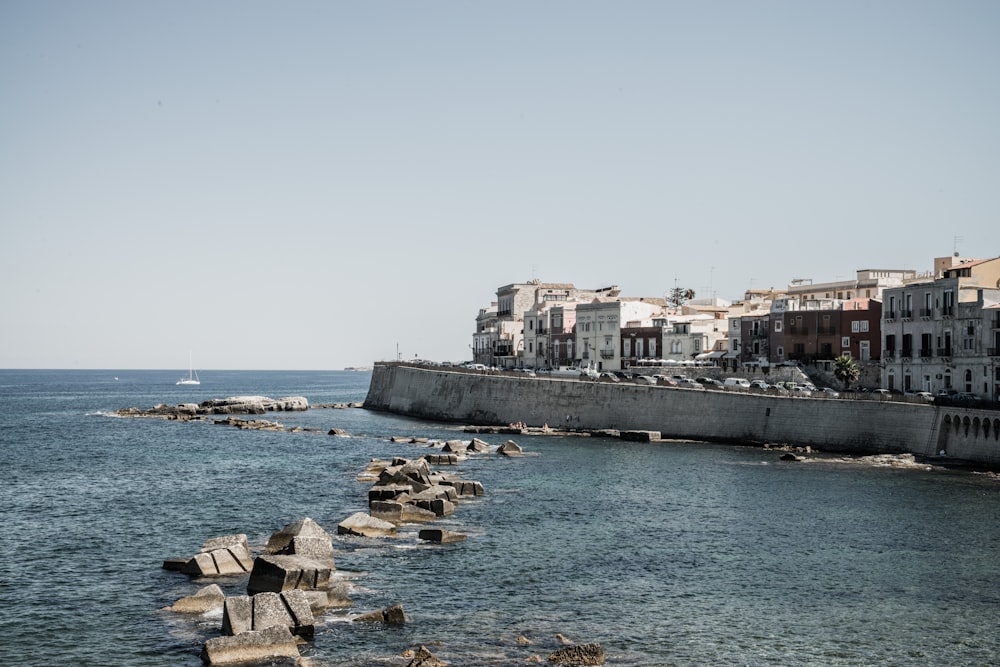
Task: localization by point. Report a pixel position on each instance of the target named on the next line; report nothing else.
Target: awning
(717, 354)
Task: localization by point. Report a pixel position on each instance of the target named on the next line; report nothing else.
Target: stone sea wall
(839, 425)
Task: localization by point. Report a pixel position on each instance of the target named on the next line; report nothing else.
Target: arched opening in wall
(957, 421)
(968, 381)
(966, 423)
(996, 429)
(975, 427)
(986, 429)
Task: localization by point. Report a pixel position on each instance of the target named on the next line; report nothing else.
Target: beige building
(943, 335)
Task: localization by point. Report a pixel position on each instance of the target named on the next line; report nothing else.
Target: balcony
(944, 352)
(608, 353)
(926, 312)
(926, 353)
(889, 354)
(798, 331)
(826, 331)
(907, 353)
(890, 314)
(504, 350)
(906, 314)
(948, 311)
(993, 352)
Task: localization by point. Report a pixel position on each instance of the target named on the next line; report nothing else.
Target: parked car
(829, 393)
(607, 377)
(882, 393)
(759, 385)
(736, 383)
(688, 383)
(708, 383)
(644, 379)
(799, 390)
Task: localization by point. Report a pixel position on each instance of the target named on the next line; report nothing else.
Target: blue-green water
(665, 554)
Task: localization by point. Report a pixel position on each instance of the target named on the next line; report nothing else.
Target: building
(599, 325)
(943, 335)
(505, 339)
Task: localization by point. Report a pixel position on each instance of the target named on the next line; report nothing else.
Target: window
(781, 352)
(845, 342)
(777, 325)
(890, 344)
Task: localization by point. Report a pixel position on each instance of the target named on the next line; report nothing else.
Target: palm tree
(846, 369)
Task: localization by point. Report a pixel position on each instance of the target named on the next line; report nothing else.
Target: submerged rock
(583, 654)
(209, 597)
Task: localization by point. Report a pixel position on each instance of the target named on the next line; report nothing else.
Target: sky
(315, 185)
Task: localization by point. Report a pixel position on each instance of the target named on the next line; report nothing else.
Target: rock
(441, 536)
(640, 436)
(393, 615)
(220, 556)
(209, 597)
(510, 448)
(253, 405)
(454, 447)
(464, 487)
(387, 492)
(788, 456)
(274, 642)
(563, 639)
(339, 432)
(523, 641)
(237, 615)
(439, 506)
(304, 537)
(276, 573)
(584, 654)
(365, 525)
(443, 459)
(397, 512)
(289, 609)
(478, 446)
(424, 658)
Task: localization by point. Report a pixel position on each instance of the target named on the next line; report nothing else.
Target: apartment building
(943, 335)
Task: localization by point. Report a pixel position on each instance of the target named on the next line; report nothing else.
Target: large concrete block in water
(364, 525)
(275, 573)
(389, 510)
(290, 609)
(273, 642)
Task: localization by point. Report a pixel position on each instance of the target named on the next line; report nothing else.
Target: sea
(668, 553)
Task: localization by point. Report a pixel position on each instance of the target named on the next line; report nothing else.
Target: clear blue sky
(272, 185)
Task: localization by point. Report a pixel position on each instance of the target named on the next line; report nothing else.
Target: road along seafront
(928, 431)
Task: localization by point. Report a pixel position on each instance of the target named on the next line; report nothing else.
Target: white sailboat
(192, 377)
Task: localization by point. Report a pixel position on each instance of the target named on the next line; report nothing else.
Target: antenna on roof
(956, 240)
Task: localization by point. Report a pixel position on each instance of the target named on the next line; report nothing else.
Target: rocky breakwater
(234, 405)
(289, 584)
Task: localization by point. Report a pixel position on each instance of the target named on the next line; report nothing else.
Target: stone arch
(996, 429)
(966, 423)
(986, 428)
(957, 421)
(975, 427)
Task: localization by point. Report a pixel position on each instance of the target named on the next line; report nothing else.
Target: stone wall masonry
(861, 426)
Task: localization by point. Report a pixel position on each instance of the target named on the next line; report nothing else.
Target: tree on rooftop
(846, 369)
(678, 296)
